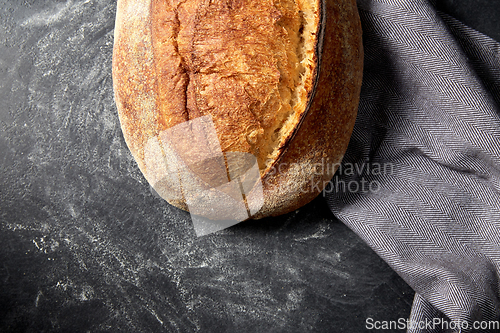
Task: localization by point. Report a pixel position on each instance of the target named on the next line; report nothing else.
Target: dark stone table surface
(85, 246)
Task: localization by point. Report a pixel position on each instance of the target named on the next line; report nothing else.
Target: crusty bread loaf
(279, 79)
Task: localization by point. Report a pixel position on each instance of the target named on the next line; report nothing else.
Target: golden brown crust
(323, 136)
(246, 63)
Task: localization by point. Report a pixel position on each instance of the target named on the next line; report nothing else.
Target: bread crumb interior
(301, 21)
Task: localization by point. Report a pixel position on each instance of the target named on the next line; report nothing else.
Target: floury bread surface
(279, 80)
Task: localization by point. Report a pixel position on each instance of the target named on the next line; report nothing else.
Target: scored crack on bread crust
(280, 78)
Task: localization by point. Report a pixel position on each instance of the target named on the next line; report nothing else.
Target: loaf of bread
(208, 91)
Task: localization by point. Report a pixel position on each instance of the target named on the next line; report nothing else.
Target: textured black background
(482, 15)
(86, 246)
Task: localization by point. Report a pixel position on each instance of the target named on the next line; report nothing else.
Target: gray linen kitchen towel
(420, 182)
